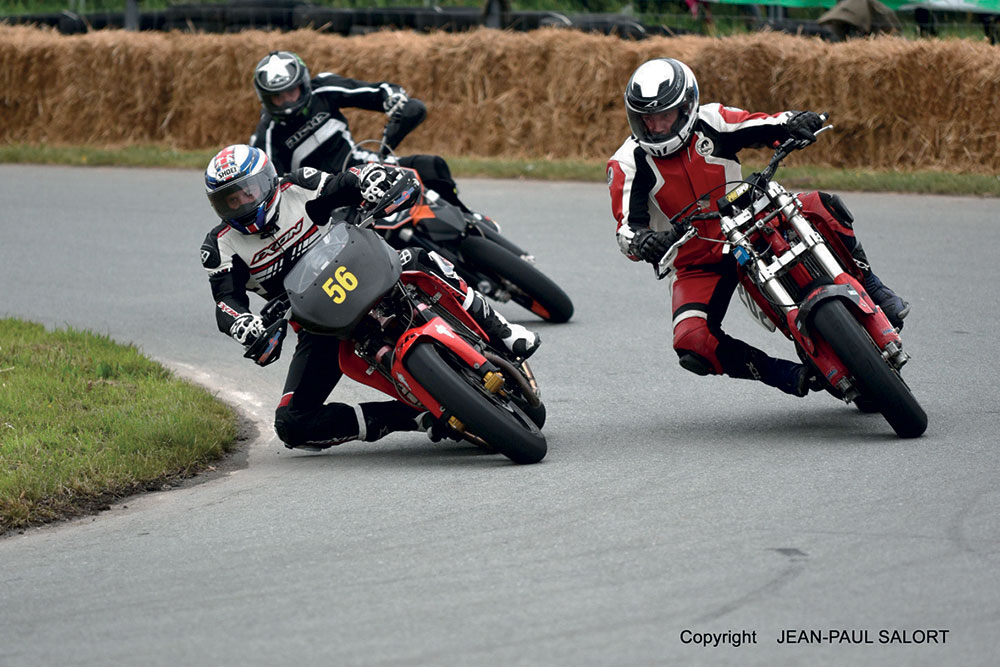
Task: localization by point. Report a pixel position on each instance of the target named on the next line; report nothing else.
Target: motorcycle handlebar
(275, 309)
(788, 146)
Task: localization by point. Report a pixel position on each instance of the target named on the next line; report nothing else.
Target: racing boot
(743, 361)
(519, 340)
(792, 378)
(892, 305)
(436, 429)
(380, 418)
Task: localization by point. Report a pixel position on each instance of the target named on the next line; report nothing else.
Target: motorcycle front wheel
(880, 385)
(499, 422)
(528, 286)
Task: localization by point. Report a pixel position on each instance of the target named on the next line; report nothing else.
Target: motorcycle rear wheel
(532, 289)
(879, 383)
(502, 424)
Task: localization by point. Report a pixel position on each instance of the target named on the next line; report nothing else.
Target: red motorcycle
(407, 336)
(800, 278)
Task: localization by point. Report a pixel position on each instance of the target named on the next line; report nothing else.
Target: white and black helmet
(657, 87)
(276, 73)
(243, 188)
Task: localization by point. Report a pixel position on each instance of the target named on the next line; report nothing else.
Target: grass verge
(85, 420)
(919, 182)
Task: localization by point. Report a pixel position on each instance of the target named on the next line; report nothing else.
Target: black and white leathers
(238, 264)
(318, 136)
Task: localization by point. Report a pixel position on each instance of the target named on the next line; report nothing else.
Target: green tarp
(986, 6)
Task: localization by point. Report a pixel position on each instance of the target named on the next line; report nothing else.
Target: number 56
(345, 282)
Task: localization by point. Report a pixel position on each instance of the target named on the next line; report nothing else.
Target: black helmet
(277, 75)
(662, 89)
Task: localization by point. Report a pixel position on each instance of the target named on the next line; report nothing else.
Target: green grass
(84, 420)
(920, 182)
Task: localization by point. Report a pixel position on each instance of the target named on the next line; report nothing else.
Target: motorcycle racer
(266, 225)
(680, 150)
(301, 123)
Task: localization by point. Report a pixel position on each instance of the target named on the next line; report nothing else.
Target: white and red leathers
(647, 191)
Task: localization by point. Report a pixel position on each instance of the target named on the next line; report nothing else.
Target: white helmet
(661, 100)
(242, 187)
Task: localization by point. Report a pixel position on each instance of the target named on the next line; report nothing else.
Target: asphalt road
(668, 504)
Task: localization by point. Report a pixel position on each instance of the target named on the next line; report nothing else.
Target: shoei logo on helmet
(277, 70)
(225, 165)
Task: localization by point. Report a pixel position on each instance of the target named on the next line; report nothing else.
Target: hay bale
(549, 93)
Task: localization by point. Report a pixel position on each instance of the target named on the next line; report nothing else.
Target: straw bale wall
(551, 93)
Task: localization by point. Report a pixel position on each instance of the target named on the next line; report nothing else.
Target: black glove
(652, 246)
(803, 125)
(394, 102)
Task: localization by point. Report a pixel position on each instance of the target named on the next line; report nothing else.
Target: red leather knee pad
(693, 337)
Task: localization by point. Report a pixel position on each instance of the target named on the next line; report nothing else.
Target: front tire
(532, 289)
(881, 386)
(503, 425)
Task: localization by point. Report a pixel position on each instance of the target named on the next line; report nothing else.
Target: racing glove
(246, 329)
(394, 103)
(374, 181)
(652, 246)
(803, 125)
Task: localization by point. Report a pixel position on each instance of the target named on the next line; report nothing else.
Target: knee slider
(695, 346)
(695, 363)
(288, 427)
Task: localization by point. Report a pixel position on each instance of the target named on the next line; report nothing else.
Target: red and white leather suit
(646, 191)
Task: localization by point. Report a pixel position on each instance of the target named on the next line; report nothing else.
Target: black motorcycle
(486, 259)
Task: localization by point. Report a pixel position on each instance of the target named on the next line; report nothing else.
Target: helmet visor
(659, 126)
(239, 200)
(287, 100)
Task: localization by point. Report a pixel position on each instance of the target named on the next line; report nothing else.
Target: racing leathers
(647, 191)
(318, 135)
(238, 264)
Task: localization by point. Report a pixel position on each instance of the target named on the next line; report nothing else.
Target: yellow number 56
(345, 282)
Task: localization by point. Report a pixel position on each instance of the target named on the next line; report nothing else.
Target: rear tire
(881, 386)
(503, 425)
(532, 288)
